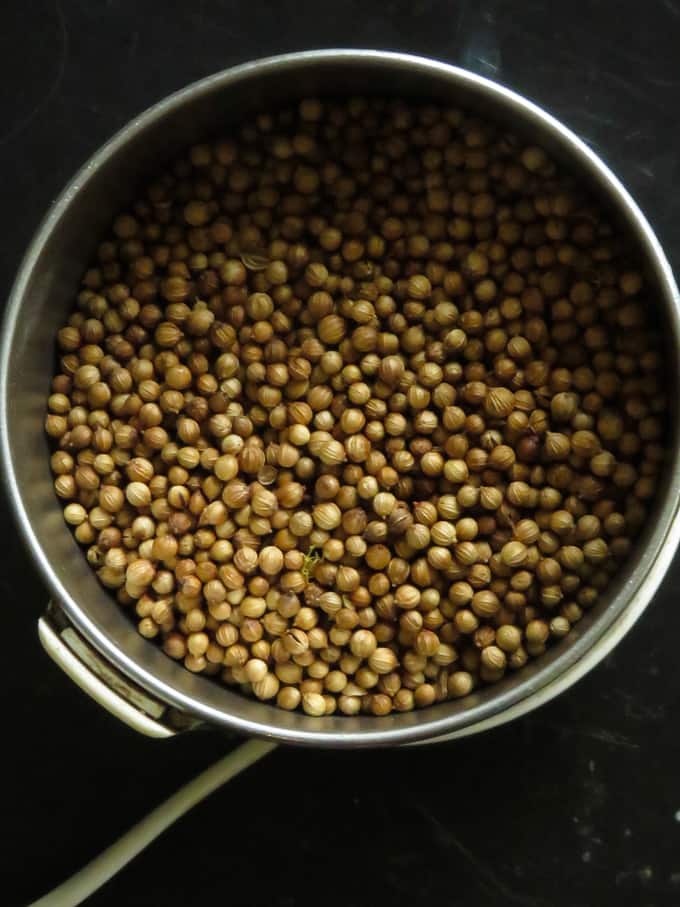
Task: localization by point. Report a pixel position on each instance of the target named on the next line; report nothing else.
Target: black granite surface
(575, 806)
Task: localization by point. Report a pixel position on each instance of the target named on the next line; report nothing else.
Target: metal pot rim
(547, 681)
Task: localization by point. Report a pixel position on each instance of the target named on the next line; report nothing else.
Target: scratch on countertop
(486, 873)
(636, 90)
(600, 734)
(54, 86)
(672, 8)
(461, 11)
(134, 43)
(608, 737)
(633, 134)
(633, 706)
(645, 171)
(644, 874)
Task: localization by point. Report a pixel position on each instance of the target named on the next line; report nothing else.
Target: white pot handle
(104, 684)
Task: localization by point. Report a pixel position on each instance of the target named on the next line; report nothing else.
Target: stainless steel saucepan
(84, 630)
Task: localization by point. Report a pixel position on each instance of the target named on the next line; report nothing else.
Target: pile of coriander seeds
(360, 407)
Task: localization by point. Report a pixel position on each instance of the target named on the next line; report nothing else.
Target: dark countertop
(577, 805)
